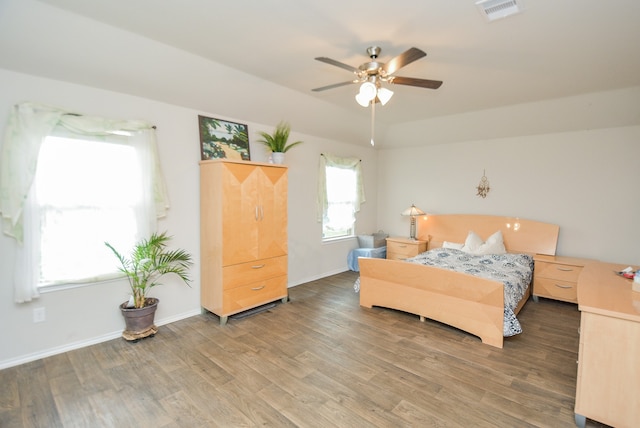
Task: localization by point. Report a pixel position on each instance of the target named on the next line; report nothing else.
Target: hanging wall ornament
(483, 188)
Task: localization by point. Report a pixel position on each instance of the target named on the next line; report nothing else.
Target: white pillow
(494, 244)
(472, 243)
(452, 245)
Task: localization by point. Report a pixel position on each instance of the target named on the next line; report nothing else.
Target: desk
(608, 384)
(376, 253)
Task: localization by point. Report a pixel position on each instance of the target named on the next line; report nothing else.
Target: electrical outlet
(39, 315)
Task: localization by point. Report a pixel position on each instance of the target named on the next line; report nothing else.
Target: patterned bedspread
(513, 270)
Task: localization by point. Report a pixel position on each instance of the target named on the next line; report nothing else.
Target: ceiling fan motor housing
(369, 71)
(372, 67)
(373, 51)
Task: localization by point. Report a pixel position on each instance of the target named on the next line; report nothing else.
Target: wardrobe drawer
(255, 294)
(258, 270)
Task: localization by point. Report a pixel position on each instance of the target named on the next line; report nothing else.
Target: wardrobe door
(272, 202)
(240, 214)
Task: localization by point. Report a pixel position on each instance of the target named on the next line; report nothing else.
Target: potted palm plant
(148, 261)
(277, 142)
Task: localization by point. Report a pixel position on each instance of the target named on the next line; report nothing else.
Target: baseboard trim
(316, 277)
(84, 343)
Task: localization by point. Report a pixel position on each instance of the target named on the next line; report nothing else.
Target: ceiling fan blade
(337, 64)
(335, 85)
(403, 59)
(423, 83)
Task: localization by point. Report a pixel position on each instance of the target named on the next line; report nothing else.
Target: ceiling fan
(371, 74)
(375, 72)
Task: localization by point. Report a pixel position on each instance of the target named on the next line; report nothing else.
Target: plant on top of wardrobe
(277, 141)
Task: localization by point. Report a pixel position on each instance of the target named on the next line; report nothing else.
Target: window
(68, 183)
(340, 218)
(85, 192)
(340, 194)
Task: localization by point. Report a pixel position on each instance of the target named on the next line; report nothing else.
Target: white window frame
(328, 197)
(79, 180)
(339, 221)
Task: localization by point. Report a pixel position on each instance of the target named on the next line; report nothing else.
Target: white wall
(596, 110)
(81, 316)
(587, 182)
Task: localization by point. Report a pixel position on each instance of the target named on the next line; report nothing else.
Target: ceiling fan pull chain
(373, 120)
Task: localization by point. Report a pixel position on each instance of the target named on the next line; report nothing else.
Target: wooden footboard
(467, 302)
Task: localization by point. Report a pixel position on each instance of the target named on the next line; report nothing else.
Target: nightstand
(403, 248)
(556, 277)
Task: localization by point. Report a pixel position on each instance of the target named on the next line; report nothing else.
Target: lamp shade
(367, 94)
(413, 211)
(368, 90)
(384, 95)
(362, 100)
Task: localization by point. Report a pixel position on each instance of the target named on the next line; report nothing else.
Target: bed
(466, 301)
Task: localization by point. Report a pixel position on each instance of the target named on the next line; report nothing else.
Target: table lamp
(412, 212)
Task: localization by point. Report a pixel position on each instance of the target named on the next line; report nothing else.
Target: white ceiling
(555, 48)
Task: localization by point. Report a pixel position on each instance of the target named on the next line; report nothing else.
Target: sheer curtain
(354, 164)
(29, 124)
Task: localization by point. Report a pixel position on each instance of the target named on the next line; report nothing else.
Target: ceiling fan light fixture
(384, 95)
(363, 101)
(367, 94)
(368, 90)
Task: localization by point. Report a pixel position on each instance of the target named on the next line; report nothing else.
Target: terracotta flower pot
(139, 322)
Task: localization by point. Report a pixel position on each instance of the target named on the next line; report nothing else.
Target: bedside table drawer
(397, 256)
(560, 272)
(399, 249)
(556, 289)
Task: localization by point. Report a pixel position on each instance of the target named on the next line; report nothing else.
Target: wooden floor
(319, 360)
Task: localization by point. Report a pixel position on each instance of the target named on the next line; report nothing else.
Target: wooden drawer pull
(402, 246)
(258, 288)
(565, 269)
(257, 266)
(563, 286)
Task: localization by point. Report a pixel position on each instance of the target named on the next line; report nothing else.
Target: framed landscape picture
(223, 139)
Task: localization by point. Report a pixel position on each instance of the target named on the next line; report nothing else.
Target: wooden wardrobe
(243, 235)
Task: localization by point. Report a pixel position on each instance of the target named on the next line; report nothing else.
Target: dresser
(556, 277)
(243, 235)
(608, 383)
(403, 248)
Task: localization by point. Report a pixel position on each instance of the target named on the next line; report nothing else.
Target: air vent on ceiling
(496, 9)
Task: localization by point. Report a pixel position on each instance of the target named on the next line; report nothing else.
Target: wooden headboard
(520, 235)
